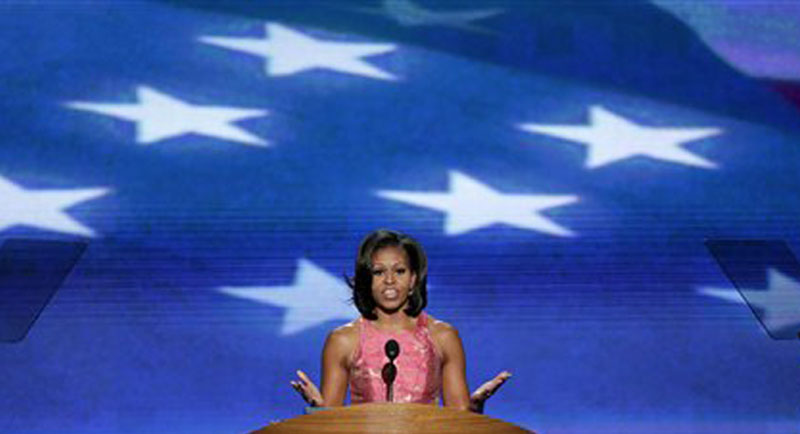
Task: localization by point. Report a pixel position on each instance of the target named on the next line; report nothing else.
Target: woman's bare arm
(454, 377)
(335, 364)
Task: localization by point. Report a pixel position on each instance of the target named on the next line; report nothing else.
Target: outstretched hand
(478, 398)
(309, 392)
(307, 389)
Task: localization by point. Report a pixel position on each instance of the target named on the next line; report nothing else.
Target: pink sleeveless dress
(419, 365)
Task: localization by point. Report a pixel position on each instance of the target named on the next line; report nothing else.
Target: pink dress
(419, 365)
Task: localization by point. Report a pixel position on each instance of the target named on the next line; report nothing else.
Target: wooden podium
(390, 419)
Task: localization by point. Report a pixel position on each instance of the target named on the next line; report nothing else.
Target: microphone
(392, 349)
(389, 371)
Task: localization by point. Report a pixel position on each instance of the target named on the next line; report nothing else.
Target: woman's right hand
(307, 389)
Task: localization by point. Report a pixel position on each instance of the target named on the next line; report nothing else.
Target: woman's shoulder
(341, 343)
(441, 330)
(445, 338)
(346, 334)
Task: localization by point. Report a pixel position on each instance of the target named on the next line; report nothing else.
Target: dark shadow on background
(748, 264)
(31, 271)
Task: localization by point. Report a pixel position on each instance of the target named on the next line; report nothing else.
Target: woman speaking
(427, 359)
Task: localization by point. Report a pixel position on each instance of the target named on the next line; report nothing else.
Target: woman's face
(392, 278)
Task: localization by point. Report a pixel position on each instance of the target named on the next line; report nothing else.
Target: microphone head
(392, 349)
(388, 373)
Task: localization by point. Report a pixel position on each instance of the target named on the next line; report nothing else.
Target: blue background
(605, 331)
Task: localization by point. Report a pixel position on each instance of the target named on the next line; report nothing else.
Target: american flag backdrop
(563, 163)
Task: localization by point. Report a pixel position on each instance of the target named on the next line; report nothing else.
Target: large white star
(288, 52)
(779, 303)
(43, 209)
(314, 297)
(159, 116)
(612, 138)
(471, 205)
(408, 13)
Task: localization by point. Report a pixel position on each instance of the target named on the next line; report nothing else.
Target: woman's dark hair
(361, 282)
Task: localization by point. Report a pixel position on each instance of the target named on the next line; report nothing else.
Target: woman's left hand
(478, 398)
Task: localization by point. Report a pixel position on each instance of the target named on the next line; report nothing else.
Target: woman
(390, 292)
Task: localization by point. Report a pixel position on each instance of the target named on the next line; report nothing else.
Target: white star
(612, 138)
(470, 205)
(288, 52)
(730, 295)
(159, 116)
(43, 209)
(408, 13)
(314, 297)
(779, 302)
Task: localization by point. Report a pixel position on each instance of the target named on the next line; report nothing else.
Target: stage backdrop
(562, 162)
